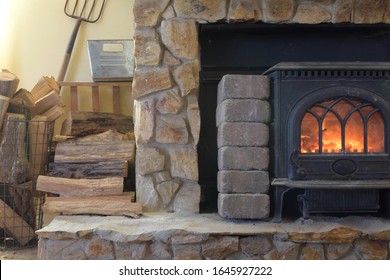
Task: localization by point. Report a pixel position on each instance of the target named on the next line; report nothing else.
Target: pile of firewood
(25, 135)
(87, 174)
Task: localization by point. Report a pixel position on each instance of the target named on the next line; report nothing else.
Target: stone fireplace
(167, 115)
(166, 93)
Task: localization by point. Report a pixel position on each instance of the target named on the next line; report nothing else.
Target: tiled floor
(20, 254)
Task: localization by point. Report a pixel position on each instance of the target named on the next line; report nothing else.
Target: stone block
(144, 121)
(147, 12)
(149, 160)
(232, 181)
(184, 163)
(219, 248)
(169, 102)
(248, 10)
(369, 11)
(243, 110)
(243, 134)
(243, 158)
(201, 10)
(147, 49)
(187, 77)
(243, 87)
(279, 10)
(171, 130)
(150, 80)
(342, 11)
(187, 199)
(180, 37)
(244, 206)
(311, 13)
(147, 195)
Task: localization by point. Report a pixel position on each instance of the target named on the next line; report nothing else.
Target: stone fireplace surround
(167, 125)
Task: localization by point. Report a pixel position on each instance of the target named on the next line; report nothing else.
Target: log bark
(80, 124)
(21, 197)
(82, 152)
(8, 83)
(93, 170)
(39, 145)
(80, 187)
(13, 159)
(15, 225)
(4, 102)
(93, 205)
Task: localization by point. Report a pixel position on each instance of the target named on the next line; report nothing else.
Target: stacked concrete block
(242, 118)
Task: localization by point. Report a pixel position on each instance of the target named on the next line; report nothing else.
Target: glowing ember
(342, 126)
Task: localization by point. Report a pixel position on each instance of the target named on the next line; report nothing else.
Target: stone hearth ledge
(208, 236)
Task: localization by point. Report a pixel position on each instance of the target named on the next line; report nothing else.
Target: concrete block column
(242, 117)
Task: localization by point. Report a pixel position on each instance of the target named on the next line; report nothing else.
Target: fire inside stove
(342, 125)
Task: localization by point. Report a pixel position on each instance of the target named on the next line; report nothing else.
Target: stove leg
(278, 204)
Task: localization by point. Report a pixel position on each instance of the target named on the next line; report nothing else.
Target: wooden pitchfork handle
(69, 50)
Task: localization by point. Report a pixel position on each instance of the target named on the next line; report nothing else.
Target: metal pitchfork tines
(80, 13)
(85, 10)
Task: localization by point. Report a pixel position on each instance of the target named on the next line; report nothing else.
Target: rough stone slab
(187, 77)
(171, 130)
(337, 235)
(149, 160)
(169, 102)
(243, 110)
(243, 87)
(180, 37)
(369, 11)
(313, 252)
(342, 11)
(147, 47)
(201, 10)
(243, 158)
(206, 236)
(144, 121)
(310, 13)
(184, 163)
(371, 249)
(147, 195)
(187, 199)
(242, 134)
(243, 206)
(231, 181)
(256, 245)
(150, 80)
(220, 248)
(147, 12)
(279, 10)
(244, 10)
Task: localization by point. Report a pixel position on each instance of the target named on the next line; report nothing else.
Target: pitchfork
(81, 11)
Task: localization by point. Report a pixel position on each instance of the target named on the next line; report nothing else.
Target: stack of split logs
(93, 160)
(26, 130)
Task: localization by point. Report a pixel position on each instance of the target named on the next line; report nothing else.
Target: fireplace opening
(332, 127)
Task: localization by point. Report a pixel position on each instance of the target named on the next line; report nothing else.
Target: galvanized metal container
(111, 60)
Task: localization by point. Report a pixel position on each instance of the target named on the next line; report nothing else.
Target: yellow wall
(34, 35)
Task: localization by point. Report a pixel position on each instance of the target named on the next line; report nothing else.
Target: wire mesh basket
(24, 154)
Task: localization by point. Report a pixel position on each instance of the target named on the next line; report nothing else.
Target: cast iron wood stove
(330, 134)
